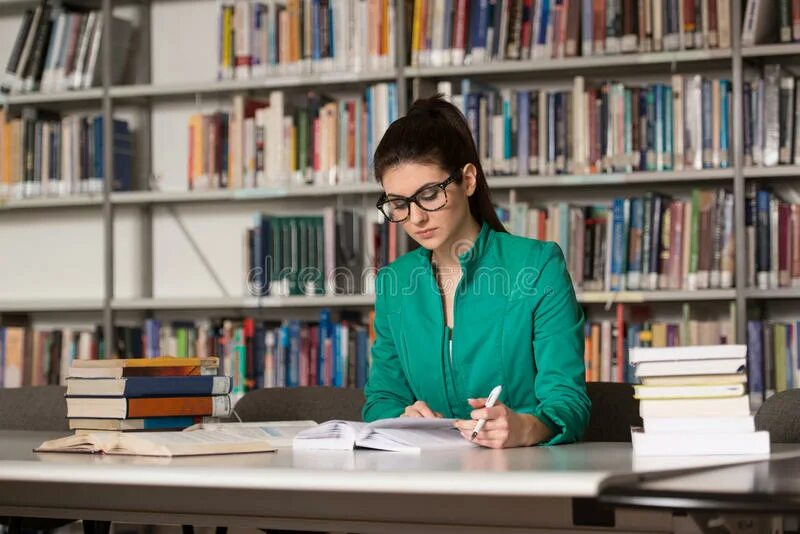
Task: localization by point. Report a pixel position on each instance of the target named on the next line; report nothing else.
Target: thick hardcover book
(123, 408)
(162, 366)
(149, 386)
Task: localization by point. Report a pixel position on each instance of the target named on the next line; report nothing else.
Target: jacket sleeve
(387, 391)
(558, 347)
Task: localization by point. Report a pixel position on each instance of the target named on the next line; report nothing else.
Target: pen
(489, 403)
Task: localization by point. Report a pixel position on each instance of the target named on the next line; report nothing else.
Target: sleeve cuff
(556, 425)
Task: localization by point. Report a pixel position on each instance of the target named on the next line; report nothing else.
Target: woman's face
(431, 229)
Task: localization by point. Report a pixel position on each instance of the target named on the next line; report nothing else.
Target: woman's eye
(428, 194)
(397, 204)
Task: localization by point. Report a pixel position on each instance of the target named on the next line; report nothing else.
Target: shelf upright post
(145, 150)
(738, 175)
(400, 58)
(108, 178)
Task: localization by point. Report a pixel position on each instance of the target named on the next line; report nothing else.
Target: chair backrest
(314, 402)
(614, 412)
(779, 416)
(33, 408)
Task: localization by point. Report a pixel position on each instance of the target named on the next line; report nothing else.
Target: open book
(279, 433)
(412, 434)
(219, 441)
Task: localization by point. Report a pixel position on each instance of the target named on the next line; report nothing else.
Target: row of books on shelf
(338, 252)
(262, 38)
(772, 363)
(772, 352)
(693, 400)
(771, 117)
(270, 142)
(459, 32)
(599, 127)
(773, 236)
(638, 243)
(58, 48)
(47, 154)
(254, 353)
(608, 343)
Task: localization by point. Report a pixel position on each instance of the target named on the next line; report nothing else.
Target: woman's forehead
(407, 178)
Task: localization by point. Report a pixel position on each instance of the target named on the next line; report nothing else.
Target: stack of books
(163, 393)
(693, 402)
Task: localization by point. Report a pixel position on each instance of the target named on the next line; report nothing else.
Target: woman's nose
(416, 214)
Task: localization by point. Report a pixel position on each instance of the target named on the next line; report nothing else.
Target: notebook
(411, 434)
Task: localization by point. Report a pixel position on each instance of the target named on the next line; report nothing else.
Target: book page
(332, 435)
(279, 433)
(191, 443)
(433, 434)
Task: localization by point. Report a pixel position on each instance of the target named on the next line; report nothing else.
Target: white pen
(489, 403)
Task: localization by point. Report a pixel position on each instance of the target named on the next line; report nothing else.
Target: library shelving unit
(411, 83)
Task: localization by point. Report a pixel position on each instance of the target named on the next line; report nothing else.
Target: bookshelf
(143, 96)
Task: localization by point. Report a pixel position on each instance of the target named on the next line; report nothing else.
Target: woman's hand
(504, 427)
(420, 409)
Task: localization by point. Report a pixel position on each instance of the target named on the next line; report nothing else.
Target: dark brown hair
(435, 132)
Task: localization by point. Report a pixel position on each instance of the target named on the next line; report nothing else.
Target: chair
(38, 408)
(778, 415)
(288, 404)
(614, 412)
(33, 408)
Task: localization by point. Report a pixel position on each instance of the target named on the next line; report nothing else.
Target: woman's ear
(469, 175)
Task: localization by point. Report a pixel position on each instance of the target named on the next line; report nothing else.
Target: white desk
(356, 491)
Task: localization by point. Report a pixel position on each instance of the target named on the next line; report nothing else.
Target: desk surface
(766, 486)
(576, 470)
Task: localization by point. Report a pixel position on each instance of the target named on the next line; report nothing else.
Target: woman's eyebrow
(394, 195)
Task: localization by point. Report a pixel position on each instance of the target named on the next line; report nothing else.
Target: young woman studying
(473, 307)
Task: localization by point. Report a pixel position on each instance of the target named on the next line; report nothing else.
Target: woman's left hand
(504, 427)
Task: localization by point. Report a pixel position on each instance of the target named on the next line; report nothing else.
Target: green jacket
(516, 323)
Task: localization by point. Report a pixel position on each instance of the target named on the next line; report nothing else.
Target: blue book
(707, 125)
(337, 368)
(324, 339)
(755, 362)
(541, 37)
(149, 386)
(293, 365)
(315, 33)
(724, 134)
(635, 248)
(619, 242)
(362, 357)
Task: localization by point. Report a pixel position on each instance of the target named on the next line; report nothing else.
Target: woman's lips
(426, 234)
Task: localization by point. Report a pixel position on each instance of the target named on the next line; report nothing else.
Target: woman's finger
(423, 409)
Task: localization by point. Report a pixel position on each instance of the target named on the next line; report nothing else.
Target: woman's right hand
(420, 409)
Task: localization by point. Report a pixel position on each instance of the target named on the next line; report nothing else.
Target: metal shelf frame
(143, 94)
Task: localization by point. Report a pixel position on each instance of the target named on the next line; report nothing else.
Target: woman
(473, 307)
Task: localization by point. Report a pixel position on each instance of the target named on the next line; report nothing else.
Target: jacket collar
(470, 259)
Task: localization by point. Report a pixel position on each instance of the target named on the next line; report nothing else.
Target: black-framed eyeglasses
(430, 198)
